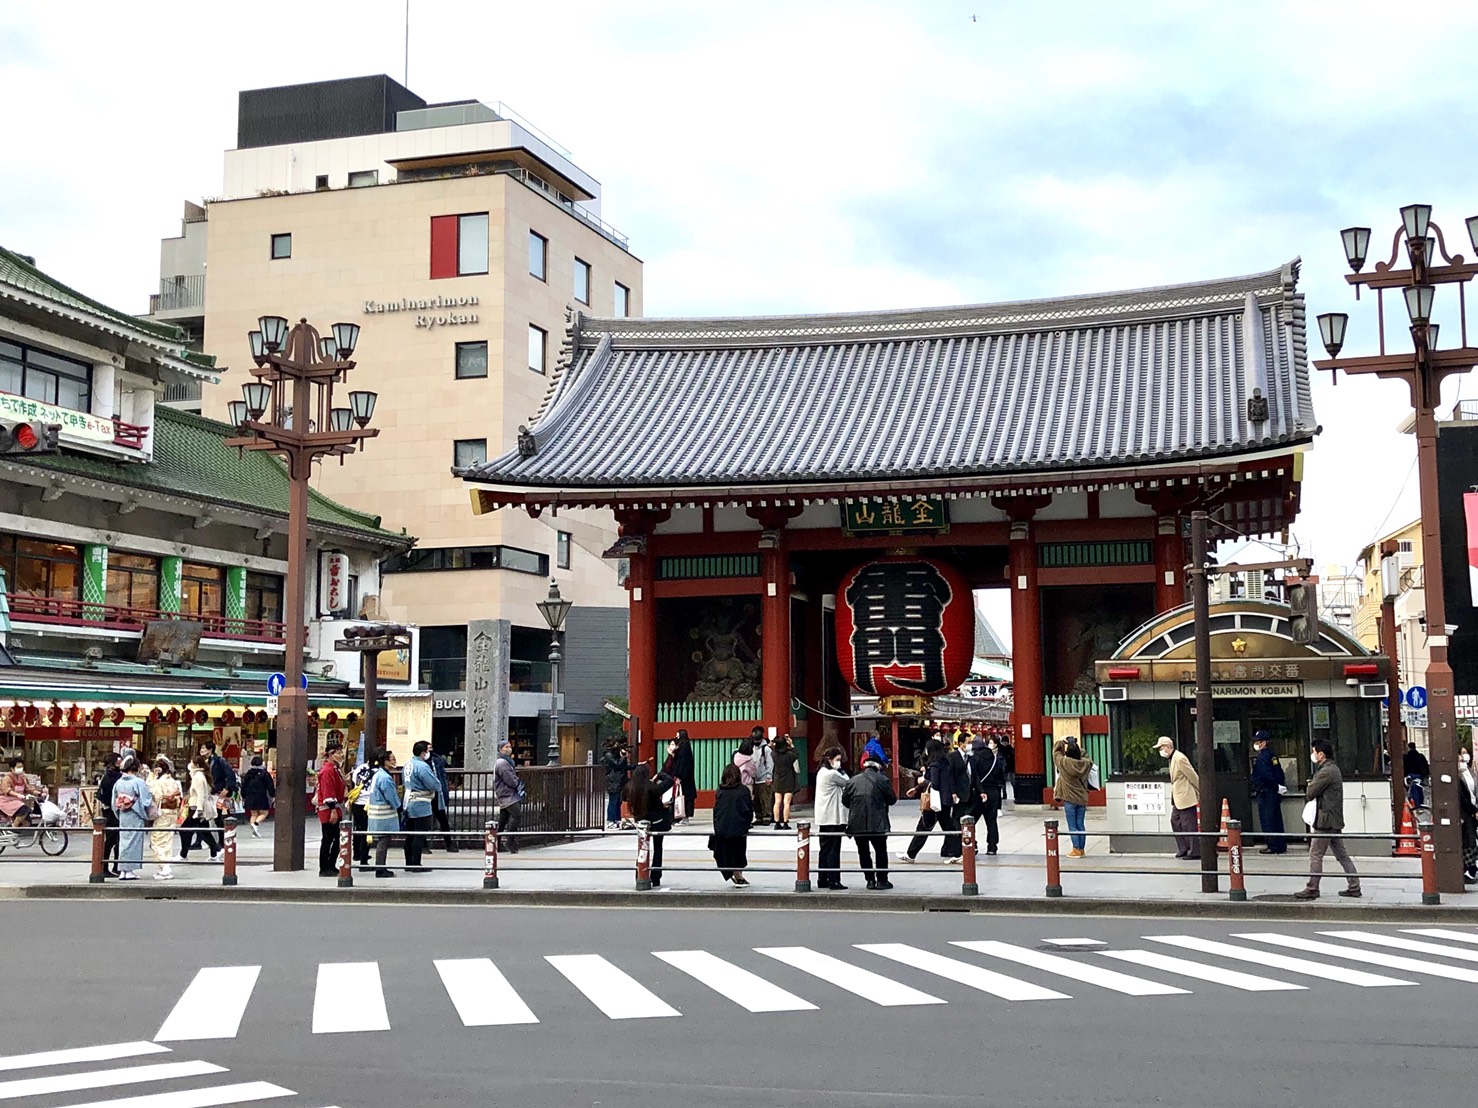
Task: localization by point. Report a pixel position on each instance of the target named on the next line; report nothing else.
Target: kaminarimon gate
(802, 499)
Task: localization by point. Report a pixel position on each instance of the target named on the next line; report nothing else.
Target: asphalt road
(1074, 1034)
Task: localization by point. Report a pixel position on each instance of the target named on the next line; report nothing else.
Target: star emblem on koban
(1239, 645)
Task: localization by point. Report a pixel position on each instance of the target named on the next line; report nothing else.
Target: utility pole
(1209, 800)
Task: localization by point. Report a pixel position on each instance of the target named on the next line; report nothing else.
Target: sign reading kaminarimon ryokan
(1050, 448)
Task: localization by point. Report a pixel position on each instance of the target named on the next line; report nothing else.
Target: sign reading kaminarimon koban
(905, 625)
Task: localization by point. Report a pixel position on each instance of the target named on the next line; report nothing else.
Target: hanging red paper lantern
(313, 718)
(248, 717)
(172, 716)
(333, 718)
(17, 714)
(156, 716)
(33, 715)
(54, 714)
(187, 717)
(75, 714)
(95, 716)
(352, 717)
(116, 716)
(905, 626)
(228, 717)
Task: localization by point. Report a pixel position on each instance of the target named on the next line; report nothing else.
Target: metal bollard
(968, 885)
(802, 857)
(1234, 861)
(228, 857)
(1054, 867)
(490, 853)
(99, 840)
(346, 853)
(1430, 895)
(643, 856)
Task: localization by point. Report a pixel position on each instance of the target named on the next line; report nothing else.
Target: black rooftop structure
(321, 110)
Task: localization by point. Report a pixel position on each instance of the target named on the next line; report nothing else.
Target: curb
(1017, 906)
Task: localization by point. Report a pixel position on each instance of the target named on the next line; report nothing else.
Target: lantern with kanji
(248, 717)
(116, 715)
(905, 626)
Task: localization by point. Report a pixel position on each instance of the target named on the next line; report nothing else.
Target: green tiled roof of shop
(16, 270)
(191, 459)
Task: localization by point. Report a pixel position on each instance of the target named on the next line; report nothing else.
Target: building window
(582, 281)
(49, 378)
(469, 452)
(203, 590)
(282, 246)
(133, 581)
(623, 300)
(423, 560)
(363, 178)
(459, 245)
(39, 568)
(538, 256)
(264, 597)
(538, 342)
(472, 359)
(320, 183)
(562, 549)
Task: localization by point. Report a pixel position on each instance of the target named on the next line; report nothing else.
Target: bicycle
(52, 840)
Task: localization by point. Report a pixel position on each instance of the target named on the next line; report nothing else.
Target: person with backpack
(650, 799)
(224, 784)
(257, 791)
(508, 793)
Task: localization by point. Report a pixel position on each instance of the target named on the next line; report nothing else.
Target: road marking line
(1389, 961)
(482, 995)
(1269, 960)
(975, 977)
(1443, 933)
(197, 1098)
(212, 1006)
(748, 990)
(1075, 942)
(619, 995)
(1235, 978)
(104, 1079)
(105, 1053)
(854, 979)
(349, 997)
(1404, 944)
(1072, 968)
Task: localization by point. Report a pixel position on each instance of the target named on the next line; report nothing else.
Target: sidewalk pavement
(602, 869)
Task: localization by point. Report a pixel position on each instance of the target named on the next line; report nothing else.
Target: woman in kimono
(165, 788)
(383, 808)
(136, 810)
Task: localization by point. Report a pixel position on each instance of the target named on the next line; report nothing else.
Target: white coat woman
(831, 817)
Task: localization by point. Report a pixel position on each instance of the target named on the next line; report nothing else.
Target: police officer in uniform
(1267, 787)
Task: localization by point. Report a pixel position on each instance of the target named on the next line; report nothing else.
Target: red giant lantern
(905, 626)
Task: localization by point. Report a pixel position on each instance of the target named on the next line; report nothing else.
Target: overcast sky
(792, 157)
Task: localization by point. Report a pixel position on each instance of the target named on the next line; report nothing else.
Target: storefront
(1262, 680)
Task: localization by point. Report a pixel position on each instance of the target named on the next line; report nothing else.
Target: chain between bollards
(1234, 861)
(1054, 871)
(803, 857)
(490, 853)
(968, 883)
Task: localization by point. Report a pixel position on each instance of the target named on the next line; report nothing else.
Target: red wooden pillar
(1026, 665)
(642, 666)
(775, 635)
(1170, 562)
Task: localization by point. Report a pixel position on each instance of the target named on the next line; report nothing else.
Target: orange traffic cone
(1412, 847)
(1226, 814)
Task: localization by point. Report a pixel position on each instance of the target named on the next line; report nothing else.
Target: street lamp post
(1423, 370)
(289, 410)
(554, 609)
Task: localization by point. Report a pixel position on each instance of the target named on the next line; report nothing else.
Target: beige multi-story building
(459, 238)
(1410, 609)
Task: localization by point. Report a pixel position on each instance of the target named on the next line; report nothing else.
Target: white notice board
(1144, 798)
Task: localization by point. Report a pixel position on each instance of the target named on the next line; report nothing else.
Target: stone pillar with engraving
(489, 646)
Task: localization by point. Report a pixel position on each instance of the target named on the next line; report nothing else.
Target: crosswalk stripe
(106, 1053)
(481, 994)
(748, 990)
(212, 1006)
(1080, 943)
(1068, 967)
(1269, 960)
(1443, 933)
(974, 977)
(241, 1093)
(1404, 944)
(349, 997)
(619, 995)
(104, 1079)
(853, 979)
(1388, 961)
(1235, 978)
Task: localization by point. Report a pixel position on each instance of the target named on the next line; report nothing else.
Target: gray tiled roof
(1117, 380)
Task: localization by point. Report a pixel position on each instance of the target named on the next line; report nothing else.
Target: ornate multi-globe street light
(289, 410)
(1423, 368)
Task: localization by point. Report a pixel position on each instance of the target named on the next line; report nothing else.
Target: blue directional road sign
(1416, 697)
(277, 682)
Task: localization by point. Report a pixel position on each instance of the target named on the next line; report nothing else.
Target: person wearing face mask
(1327, 790)
(1185, 795)
(1268, 788)
(987, 788)
(1468, 805)
(831, 818)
